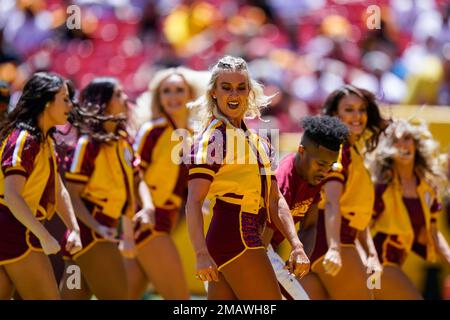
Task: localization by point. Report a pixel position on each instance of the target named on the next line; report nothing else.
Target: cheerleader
(407, 205)
(231, 166)
(299, 177)
(31, 190)
(100, 179)
(163, 187)
(346, 208)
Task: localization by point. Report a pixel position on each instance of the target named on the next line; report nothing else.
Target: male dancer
(299, 178)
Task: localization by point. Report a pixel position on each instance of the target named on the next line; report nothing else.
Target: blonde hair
(426, 159)
(149, 103)
(207, 106)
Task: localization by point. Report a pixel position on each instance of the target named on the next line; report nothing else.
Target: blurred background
(302, 49)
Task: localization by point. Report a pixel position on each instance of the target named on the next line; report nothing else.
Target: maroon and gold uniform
(23, 154)
(355, 203)
(403, 224)
(106, 170)
(297, 192)
(165, 178)
(237, 162)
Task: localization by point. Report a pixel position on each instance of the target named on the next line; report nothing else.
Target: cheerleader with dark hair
(31, 190)
(346, 208)
(100, 179)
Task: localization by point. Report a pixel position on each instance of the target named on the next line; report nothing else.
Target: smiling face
(174, 94)
(352, 111)
(405, 148)
(57, 111)
(231, 94)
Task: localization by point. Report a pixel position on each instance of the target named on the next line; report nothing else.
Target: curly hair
(327, 131)
(375, 122)
(426, 157)
(207, 106)
(88, 117)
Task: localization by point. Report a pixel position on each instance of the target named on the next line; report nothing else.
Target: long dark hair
(39, 90)
(89, 115)
(375, 122)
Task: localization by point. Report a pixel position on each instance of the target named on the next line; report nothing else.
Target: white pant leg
(285, 278)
